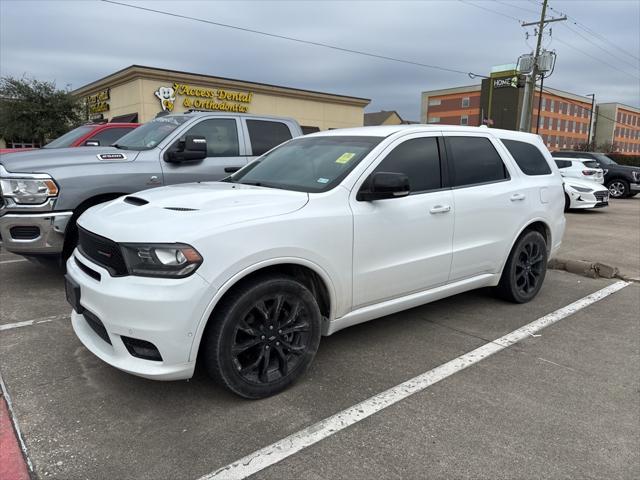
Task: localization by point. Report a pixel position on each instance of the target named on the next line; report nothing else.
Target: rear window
(591, 164)
(265, 135)
(528, 157)
(563, 163)
(475, 161)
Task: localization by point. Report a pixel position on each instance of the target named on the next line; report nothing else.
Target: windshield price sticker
(345, 157)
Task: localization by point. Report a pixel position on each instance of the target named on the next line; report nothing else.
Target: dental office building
(138, 93)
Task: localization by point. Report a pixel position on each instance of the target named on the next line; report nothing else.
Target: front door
(225, 153)
(403, 245)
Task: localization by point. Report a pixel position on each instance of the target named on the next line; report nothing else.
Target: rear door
(226, 152)
(490, 201)
(264, 134)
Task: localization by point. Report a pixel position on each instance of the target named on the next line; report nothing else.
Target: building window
(552, 106)
(464, 120)
(543, 105)
(433, 120)
(465, 102)
(434, 102)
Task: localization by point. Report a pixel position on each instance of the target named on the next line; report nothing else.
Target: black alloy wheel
(525, 269)
(262, 336)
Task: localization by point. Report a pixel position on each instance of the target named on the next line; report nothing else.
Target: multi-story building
(452, 106)
(618, 125)
(563, 120)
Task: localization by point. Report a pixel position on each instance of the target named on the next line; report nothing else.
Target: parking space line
(26, 323)
(14, 261)
(298, 441)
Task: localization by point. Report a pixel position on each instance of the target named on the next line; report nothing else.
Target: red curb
(12, 464)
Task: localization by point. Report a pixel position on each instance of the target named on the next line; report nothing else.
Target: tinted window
(419, 159)
(265, 135)
(110, 135)
(591, 164)
(474, 160)
(528, 157)
(563, 163)
(221, 135)
(306, 130)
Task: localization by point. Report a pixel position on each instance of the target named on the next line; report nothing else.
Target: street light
(593, 99)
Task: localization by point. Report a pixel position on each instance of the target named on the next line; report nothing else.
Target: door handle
(231, 169)
(516, 197)
(440, 209)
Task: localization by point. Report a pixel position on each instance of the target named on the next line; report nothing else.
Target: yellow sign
(200, 98)
(345, 157)
(99, 102)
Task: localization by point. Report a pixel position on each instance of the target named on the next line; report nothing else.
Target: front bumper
(581, 200)
(34, 233)
(634, 187)
(164, 312)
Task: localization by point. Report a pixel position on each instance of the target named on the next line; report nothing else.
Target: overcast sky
(76, 42)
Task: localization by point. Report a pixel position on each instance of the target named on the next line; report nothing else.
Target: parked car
(584, 194)
(323, 232)
(583, 168)
(89, 135)
(621, 180)
(43, 192)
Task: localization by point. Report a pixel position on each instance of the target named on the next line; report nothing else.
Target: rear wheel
(618, 188)
(262, 337)
(525, 270)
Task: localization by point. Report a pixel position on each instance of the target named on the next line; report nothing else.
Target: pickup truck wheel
(618, 188)
(262, 337)
(525, 270)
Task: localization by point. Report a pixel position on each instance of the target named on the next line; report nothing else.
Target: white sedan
(584, 194)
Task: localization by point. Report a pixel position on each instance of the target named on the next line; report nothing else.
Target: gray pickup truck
(43, 192)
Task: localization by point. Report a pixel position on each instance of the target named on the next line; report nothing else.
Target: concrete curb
(588, 269)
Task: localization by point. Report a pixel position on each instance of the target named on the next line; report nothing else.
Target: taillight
(588, 172)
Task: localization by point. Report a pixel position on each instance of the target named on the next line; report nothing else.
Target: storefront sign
(506, 82)
(99, 102)
(199, 98)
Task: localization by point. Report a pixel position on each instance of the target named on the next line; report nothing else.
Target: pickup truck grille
(102, 251)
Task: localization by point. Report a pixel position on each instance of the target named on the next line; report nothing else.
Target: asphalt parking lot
(562, 403)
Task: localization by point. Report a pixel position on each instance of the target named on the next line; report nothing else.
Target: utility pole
(530, 85)
(593, 100)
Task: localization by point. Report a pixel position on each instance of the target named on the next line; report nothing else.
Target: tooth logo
(167, 97)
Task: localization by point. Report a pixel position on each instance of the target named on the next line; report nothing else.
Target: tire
(255, 345)
(567, 203)
(618, 188)
(525, 269)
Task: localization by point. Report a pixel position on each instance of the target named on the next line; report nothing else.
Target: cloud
(75, 42)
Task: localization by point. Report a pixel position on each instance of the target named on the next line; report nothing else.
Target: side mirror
(385, 185)
(193, 148)
(92, 142)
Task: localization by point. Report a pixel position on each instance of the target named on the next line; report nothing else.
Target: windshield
(604, 160)
(150, 134)
(70, 137)
(310, 164)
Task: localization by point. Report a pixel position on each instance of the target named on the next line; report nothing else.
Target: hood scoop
(181, 209)
(137, 201)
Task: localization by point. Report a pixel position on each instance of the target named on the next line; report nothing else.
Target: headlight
(28, 191)
(581, 189)
(172, 260)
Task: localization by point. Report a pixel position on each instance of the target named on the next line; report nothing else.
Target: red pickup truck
(89, 135)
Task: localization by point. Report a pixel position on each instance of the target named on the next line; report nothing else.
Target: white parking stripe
(26, 323)
(14, 261)
(292, 444)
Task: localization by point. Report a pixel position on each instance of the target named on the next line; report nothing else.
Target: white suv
(321, 233)
(583, 168)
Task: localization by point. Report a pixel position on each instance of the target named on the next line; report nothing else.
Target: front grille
(27, 232)
(97, 326)
(601, 196)
(102, 251)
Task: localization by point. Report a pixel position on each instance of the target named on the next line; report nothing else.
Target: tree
(584, 147)
(32, 110)
(608, 147)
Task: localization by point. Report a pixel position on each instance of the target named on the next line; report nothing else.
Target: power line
(297, 40)
(490, 10)
(516, 6)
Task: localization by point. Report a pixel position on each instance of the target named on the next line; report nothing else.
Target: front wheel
(567, 203)
(262, 337)
(618, 188)
(525, 269)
